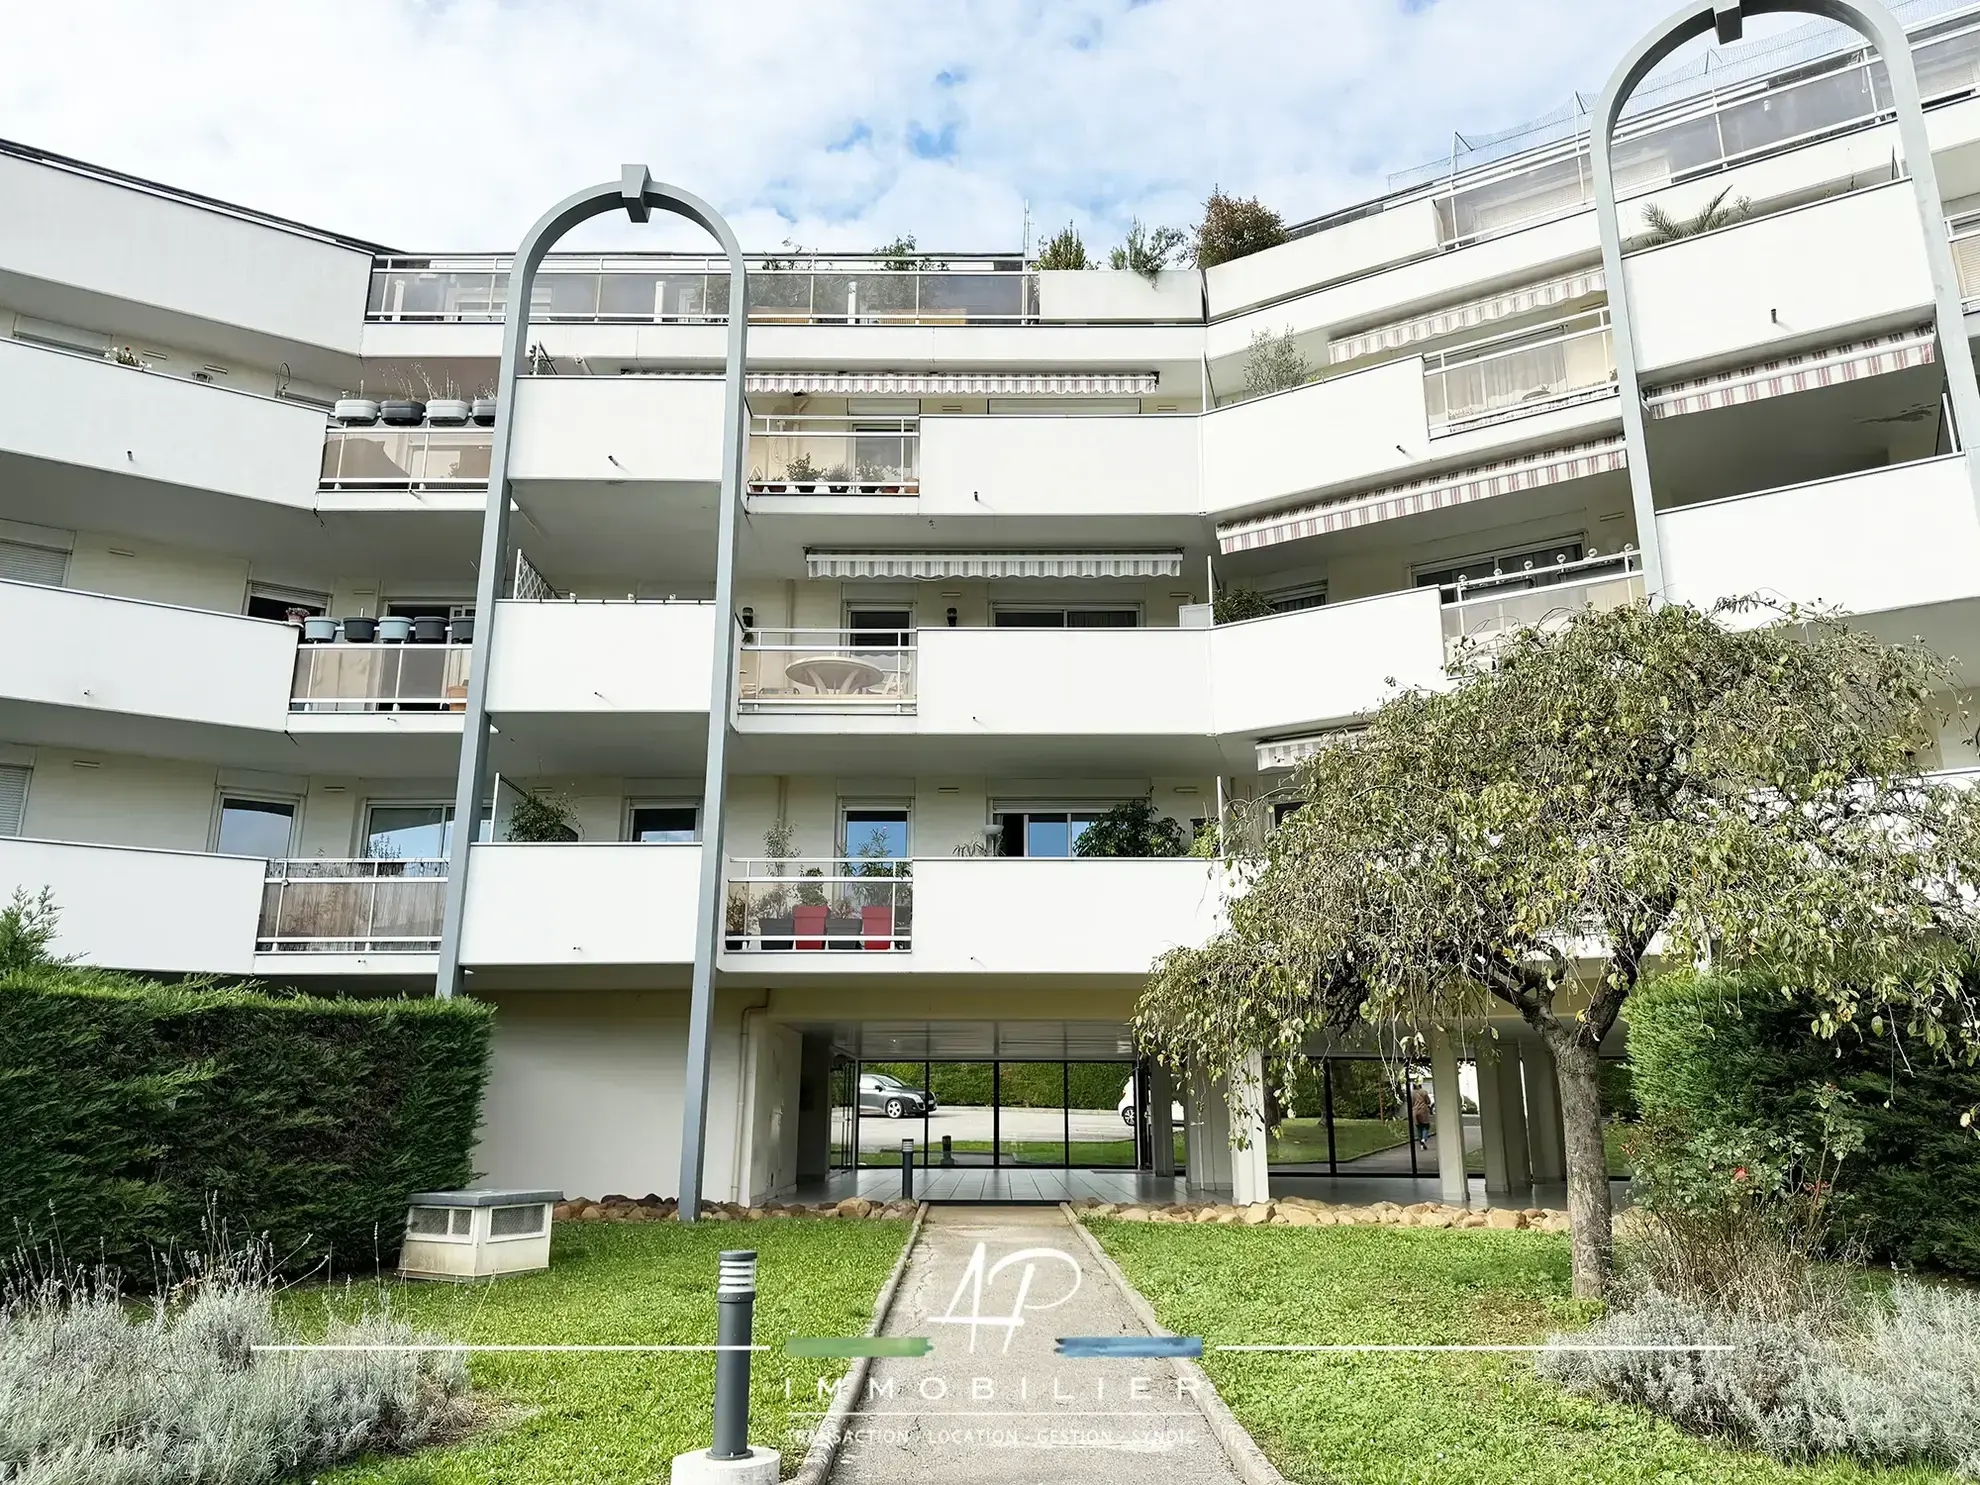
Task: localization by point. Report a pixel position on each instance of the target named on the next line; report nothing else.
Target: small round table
(835, 675)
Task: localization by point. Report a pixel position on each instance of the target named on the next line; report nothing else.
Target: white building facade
(985, 514)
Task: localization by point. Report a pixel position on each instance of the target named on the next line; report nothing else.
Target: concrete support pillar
(1161, 1128)
(1502, 1118)
(1250, 1178)
(1546, 1141)
(1208, 1139)
(1448, 1099)
(814, 1134)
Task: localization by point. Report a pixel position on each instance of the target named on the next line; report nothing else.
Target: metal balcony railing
(1513, 375)
(380, 678)
(352, 907)
(406, 458)
(1480, 614)
(693, 289)
(825, 670)
(799, 904)
(824, 455)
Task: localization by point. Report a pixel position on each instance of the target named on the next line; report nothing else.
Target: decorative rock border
(1304, 1211)
(650, 1208)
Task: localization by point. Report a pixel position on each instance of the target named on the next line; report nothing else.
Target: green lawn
(1483, 1419)
(1300, 1141)
(604, 1419)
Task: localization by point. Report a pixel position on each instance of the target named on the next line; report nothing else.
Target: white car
(1127, 1107)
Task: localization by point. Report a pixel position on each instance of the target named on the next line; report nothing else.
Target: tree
(1630, 781)
(1132, 828)
(1274, 364)
(1233, 227)
(1146, 251)
(28, 928)
(1660, 226)
(1064, 249)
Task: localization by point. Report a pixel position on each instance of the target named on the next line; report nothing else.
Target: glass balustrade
(824, 670)
(1483, 614)
(795, 905)
(1514, 375)
(380, 678)
(800, 455)
(405, 458)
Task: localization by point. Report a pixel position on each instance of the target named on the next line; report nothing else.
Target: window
(25, 562)
(1042, 832)
(1292, 600)
(13, 796)
(881, 628)
(880, 832)
(271, 601)
(414, 832)
(255, 827)
(1064, 616)
(1284, 807)
(665, 824)
(428, 608)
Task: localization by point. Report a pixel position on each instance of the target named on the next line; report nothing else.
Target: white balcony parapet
(591, 656)
(580, 903)
(406, 458)
(380, 678)
(1480, 614)
(801, 454)
(365, 906)
(798, 904)
(825, 670)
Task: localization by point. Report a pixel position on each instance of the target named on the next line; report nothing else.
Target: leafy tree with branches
(1148, 250)
(1274, 364)
(1233, 227)
(1739, 785)
(1064, 249)
(1133, 828)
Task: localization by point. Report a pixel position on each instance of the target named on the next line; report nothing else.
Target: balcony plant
(1062, 251)
(1132, 828)
(1659, 226)
(539, 818)
(735, 918)
(1235, 604)
(1233, 227)
(403, 410)
(882, 905)
(481, 412)
(450, 409)
(1146, 252)
(811, 912)
(355, 410)
(802, 473)
(1274, 364)
(845, 922)
(775, 921)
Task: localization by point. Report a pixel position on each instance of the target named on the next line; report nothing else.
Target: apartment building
(244, 473)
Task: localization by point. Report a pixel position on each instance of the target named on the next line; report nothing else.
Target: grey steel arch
(638, 193)
(1727, 17)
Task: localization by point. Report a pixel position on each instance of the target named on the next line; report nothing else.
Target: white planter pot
(394, 631)
(447, 412)
(356, 412)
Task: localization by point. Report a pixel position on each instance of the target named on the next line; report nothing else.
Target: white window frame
(905, 806)
(256, 796)
(1084, 606)
(662, 803)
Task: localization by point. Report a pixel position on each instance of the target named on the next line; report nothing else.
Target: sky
(435, 125)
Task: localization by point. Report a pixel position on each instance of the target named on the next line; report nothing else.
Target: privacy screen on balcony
(981, 565)
(1458, 488)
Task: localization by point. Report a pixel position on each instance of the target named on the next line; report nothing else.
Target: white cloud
(453, 123)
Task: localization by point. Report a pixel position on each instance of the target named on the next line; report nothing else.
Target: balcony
(583, 431)
(669, 289)
(1061, 465)
(1511, 376)
(122, 423)
(1267, 449)
(797, 454)
(586, 658)
(1884, 540)
(1481, 615)
(380, 678)
(584, 903)
(406, 458)
(320, 906)
(150, 912)
(825, 671)
(834, 903)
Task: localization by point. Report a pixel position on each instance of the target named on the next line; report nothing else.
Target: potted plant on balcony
(881, 892)
(355, 410)
(540, 818)
(845, 923)
(838, 479)
(403, 410)
(318, 630)
(445, 407)
(810, 915)
(777, 926)
(1132, 828)
(801, 474)
(481, 412)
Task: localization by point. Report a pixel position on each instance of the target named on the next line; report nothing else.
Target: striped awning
(1820, 368)
(982, 565)
(1469, 315)
(958, 383)
(1460, 487)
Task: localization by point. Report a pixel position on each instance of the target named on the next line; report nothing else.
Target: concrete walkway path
(993, 1402)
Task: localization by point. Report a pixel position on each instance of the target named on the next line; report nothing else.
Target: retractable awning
(985, 565)
(1820, 368)
(1290, 752)
(1469, 315)
(958, 383)
(1458, 488)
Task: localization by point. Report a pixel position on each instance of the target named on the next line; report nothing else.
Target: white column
(1449, 1115)
(1161, 1129)
(1546, 1142)
(1208, 1137)
(1250, 1179)
(1502, 1116)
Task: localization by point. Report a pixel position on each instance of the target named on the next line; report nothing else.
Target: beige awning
(1553, 467)
(1290, 752)
(988, 565)
(1820, 368)
(1472, 313)
(958, 383)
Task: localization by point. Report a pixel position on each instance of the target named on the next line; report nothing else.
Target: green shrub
(1235, 604)
(1063, 250)
(1233, 227)
(1737, 1093)
(1133, 828)
(133, 1110)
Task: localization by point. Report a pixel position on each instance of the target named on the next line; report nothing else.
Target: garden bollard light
(730, 1459)
(948, 1156)
(907, 1170)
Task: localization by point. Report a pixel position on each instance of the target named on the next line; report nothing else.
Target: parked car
(881, 1093)
(1127, 1107)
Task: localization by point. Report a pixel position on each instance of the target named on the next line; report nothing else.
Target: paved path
(1020, 1415)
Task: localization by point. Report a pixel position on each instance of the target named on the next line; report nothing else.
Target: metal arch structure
(638, 194)
(1727, 19)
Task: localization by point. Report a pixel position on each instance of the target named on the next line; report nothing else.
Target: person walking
(1419, 1115)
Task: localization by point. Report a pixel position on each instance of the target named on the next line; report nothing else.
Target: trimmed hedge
(1023, 1085)
(1729, 1058)
(132, 1109)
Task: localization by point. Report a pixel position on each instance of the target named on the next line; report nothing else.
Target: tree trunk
(1592, 1240)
